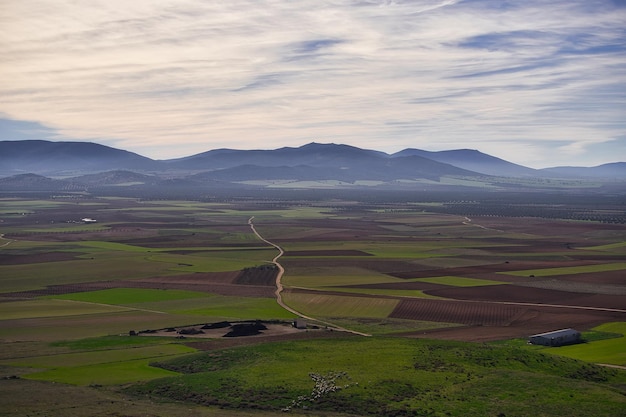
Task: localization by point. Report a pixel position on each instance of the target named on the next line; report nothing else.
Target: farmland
(466, 290)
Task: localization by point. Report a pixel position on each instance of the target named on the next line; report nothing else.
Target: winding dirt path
(279, 285)
(9, 241)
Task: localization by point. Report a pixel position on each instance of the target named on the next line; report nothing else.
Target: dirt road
(279, 285)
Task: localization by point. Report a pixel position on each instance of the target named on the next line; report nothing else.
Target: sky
(536, 82)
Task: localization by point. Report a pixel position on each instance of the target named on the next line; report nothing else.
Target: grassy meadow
(606, 344)
(382, 376)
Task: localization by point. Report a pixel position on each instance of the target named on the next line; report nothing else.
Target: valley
(406, 274)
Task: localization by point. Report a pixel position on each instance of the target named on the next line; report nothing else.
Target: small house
(556, 338)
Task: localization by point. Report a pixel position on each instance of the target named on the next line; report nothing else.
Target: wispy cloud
(539, 83)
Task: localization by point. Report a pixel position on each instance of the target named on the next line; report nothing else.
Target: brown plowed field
(222, 283)
(38, 258)
(485, 314)
(495, 321)
(521, 294)
(265, 276)
(491, 268)
(346, 252)
(531, 225)
(386, 266)
(411, 285)
(606, 277)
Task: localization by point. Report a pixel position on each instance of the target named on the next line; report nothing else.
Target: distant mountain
(67, 158)
(615, 170)
(472, 160)
(89, 166)
(313, 154)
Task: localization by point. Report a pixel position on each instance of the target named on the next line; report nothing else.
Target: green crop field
(615, 266)
(129, 296)
(460, 281)
(115, 373)
(104, 267)
(325, 305)
(51, 308)
(334, 276)
(617, 247)
(238, 308)
(611, 350)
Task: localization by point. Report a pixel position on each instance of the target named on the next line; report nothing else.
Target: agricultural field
(125, 310)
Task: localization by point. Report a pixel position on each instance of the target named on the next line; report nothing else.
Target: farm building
(556, 338)
(299, 324)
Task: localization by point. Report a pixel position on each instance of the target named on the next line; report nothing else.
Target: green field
(70, 295)
(106, 367)
(129, 296)
(237, 308)
(327, 306)
(52, 308)
(611, 350)
(459, 281)
(101, 267)
(382, 376)
(103, 374)
(185, 303)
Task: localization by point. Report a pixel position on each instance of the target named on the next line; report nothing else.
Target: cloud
(539, 83)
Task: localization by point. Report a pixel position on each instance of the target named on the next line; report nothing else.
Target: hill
(473, 160)
(615, 170)
(67, 158)
(312, 154)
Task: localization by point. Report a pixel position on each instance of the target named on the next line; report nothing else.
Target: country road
(9, 241)
(279, 285)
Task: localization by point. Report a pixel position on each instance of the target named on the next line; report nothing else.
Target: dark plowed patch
(520, 294)
(263, 275)
(483, 314)
(385, 266)
(413, 285)
(38, 258)
(215, 283)
(606, 277)
(491, 268)
(327, 253)
(539, 226)
(531, 321)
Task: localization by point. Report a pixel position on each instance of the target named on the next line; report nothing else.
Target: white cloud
(526, 81)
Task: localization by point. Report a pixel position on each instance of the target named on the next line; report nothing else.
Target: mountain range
(74, 165)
